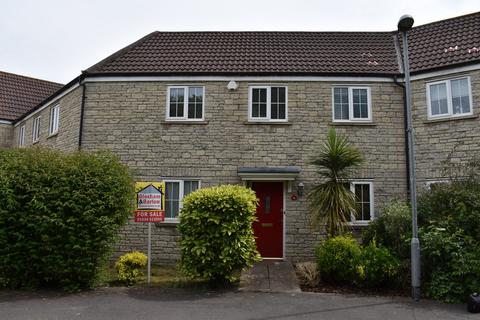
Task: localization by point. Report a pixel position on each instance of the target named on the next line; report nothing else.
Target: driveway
(158, 303)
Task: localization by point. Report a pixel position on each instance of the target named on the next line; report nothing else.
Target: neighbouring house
(197, 109)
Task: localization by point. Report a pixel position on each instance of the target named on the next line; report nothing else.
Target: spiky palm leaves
(332, 202)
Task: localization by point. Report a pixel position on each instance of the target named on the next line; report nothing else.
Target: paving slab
(270, 276)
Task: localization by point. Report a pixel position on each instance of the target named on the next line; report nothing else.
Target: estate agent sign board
(150, 203)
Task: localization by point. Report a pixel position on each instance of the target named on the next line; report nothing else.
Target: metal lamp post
(404, 25)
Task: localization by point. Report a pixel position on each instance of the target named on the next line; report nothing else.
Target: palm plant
(332, 202)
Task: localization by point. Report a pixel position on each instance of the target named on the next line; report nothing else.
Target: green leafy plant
(332, 202)
(59, 215)
(377, 267)
(449, 217)
(392, 229)
(130, 267)
(217, 235)
(338, 258)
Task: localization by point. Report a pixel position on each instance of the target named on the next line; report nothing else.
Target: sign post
(150, 198)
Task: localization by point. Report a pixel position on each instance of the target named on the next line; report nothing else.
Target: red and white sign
(149, 216)
(149, 200)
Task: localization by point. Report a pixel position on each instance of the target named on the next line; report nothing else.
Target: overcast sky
(55, 40)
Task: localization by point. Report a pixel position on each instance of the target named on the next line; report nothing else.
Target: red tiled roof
(20, 94)
(439, 44)
(444, 43)
(255, 53)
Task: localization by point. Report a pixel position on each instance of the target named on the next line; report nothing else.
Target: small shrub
(338, 258)
(392, 229)
(217, 235)
(307, 273)
(378, 267)
(130, 267)
(59, 215)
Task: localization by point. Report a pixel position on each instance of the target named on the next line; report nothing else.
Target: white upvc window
(36, 129)
(54, 120)
(175, 190)
(21, 136)
(432, 184)
(268, 103)
(449, 98)
(351, 104)
(363, 191)
(185, 103)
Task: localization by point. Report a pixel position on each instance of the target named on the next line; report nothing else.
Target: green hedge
(59, 215)
(217, 235)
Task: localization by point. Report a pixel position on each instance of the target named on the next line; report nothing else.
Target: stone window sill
(183, 122)
(270, 123)
(52, 135)
(353, 123)
(171, 223)
(450, 119)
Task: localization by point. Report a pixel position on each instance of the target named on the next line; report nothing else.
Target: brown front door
(269, 227)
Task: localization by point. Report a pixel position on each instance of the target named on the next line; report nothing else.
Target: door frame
(248, 183)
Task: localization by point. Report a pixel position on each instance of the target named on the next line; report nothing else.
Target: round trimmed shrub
(130, 267)
(337, 259)
(59, 215)
(217, 235)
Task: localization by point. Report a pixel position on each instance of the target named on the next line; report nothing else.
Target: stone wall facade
(66, 139)
(6, 135)
(448, 143)
(129, 119)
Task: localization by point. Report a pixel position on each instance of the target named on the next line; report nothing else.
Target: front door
(269, 227)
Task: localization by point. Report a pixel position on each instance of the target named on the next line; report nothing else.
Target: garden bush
(59, 215)
(338, 258)
(450, 239)
(377, 267)
(130, 267)
(392, 229)
(217, 235)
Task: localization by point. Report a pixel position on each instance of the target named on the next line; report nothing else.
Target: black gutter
(82, 108)
(407, 153)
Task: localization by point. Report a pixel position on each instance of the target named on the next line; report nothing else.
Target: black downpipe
(395, 80)
(82, 108)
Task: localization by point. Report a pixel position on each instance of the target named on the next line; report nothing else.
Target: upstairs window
(185, 103)
(268, 103)
(54, 119)
(449, 98)
(351, 104)
(175, 190)
(21, 136)
(36, 129)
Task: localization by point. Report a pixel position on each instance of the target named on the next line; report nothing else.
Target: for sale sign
(149, 216)
(150, 195)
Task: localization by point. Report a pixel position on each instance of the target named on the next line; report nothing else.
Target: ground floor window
(363, 191)
(175, 190)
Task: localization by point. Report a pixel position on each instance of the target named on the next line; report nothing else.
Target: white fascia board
(238, 78)
(48, 103)
(444, 72)
(5, 122)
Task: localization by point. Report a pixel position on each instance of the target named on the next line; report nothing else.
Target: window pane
(438, 99)
(278, 103)
(360, 103)
(460, 96)
(172, 199)
(340, 102)
(195, 101)
(362, 195)
(177, 98)
(259, 103)
(189, 186)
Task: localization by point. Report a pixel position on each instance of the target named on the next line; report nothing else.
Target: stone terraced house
(197, 109)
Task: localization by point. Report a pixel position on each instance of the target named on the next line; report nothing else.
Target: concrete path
(187, 304)
(270, 276)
